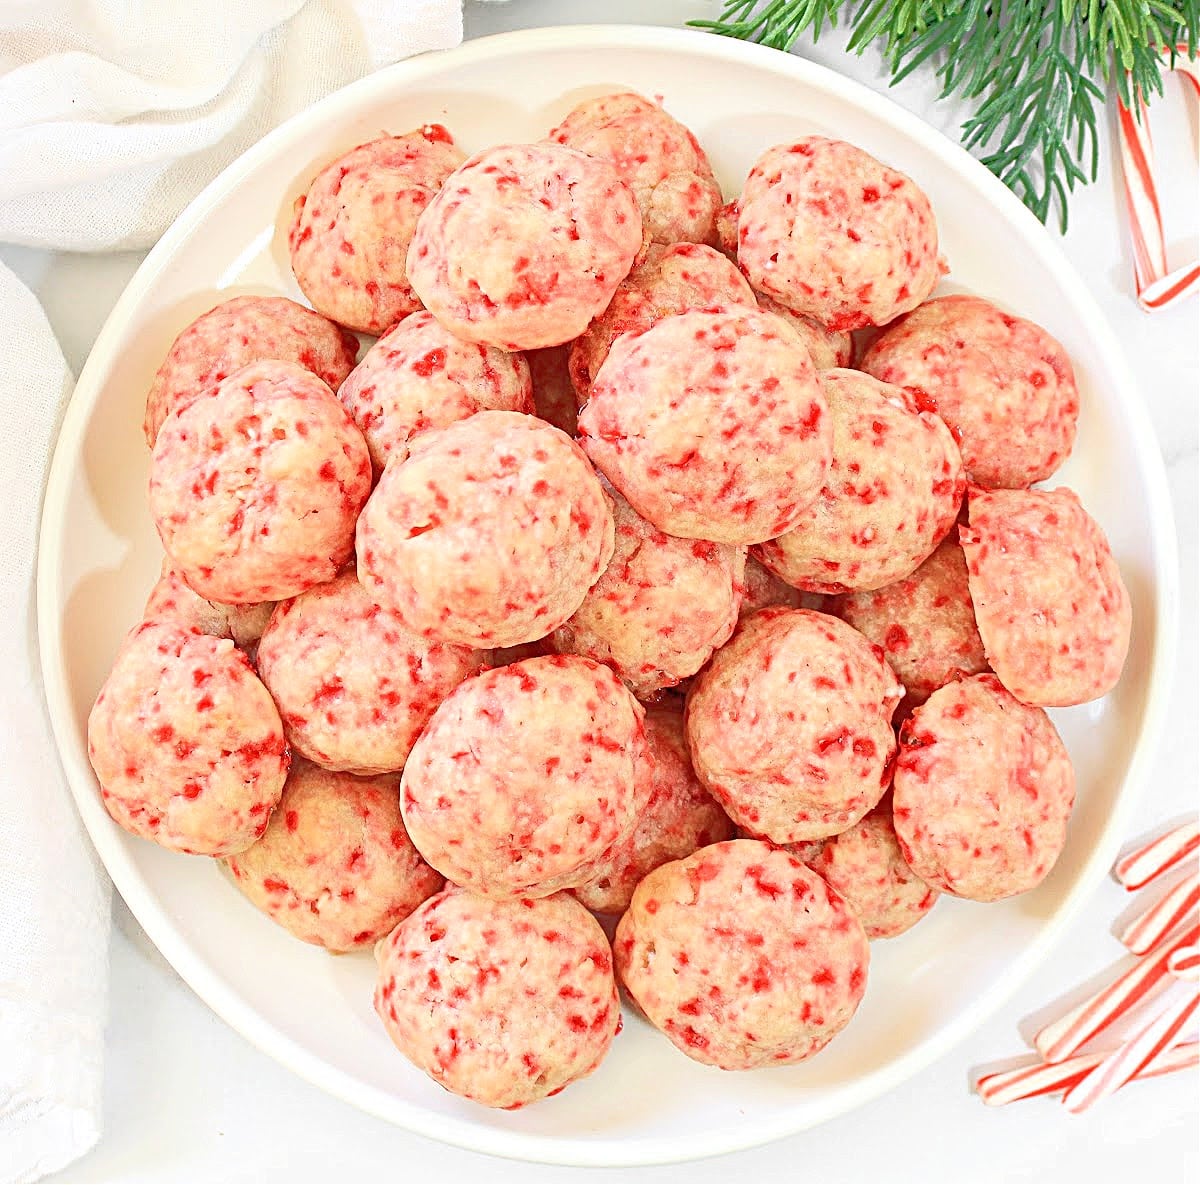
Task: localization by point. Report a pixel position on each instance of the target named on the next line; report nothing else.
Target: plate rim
(470, 1134)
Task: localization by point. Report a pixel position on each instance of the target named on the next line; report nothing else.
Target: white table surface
(188, 1099)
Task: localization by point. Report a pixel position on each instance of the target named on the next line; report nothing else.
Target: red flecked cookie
(828, 348)
(255, 489)
(173, 600)
(1052, 609)
(335, 866)
(789, 725)
(553, 391)
(1002, 383)
(660, 609)
(656, 156)
(186, 743)
(240, 331)
(524, 245)
(525, 777)
(502, 1002)
(679, 817)
(761, 589)
(489, 535)
(712, 424)
(827, 230)
(983, 791)
(419, 376)
(892, 492)
(351, 232)
(353, 685)
(742, 956)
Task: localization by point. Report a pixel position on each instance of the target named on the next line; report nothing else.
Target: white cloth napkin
(113, 114)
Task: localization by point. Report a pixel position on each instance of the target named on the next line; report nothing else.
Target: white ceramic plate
(99, 557)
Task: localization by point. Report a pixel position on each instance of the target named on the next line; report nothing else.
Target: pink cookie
(790, 728)
(1003, 384)
(350, 236)
(830, 232)
(524, 245)
(828, 348)
(892, 492)
(553, 392)
(1052, 609)
(679, 817)
(335, 866)
(761, 589)
(186, 743)
(255, 489)
(240, 331)
(661, 608)
(419, 377)
(173, 600)
(354, 687)
(489, 535)
(656, 156)
(742, 956)
(502, 1002)
(983, 791)
(712, 424)
(526, 777)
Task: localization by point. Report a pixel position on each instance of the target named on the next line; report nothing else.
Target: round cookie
(761, 589)
(419, 376)
(525, 777)
(1003, 384)
(171, 598)
(355, 687)
(255, 489)
(1052, 609)
(185, 741)
(789, 725)
(553, 391)
(524, 245)
(828, 348)
(925, 622)
(351, 231)
(335, 866)
(679, 817)
(983, 791)
(892, 492)
(502, 1002)
(660, 609)
(742, 956)
(489, 535)
(712, 424)
(830, 232)
(656, 156)
(237, 332)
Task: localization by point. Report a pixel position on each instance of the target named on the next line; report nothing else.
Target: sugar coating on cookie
(524, 245)
(892, 492)
(866, 866)
(761, 589)
(419, 376)
(668, 281)
(661, 608)
(490, 534)
(679, 817)
(789, 726)
(351, 231)
(742, 956)
(1052, 609)
(828, 348)
(1003, 384)
(502, 1002)
(553, 391)
(712, 424)
(171, 598)
(924, 622)
(335, 866)
(656, 156)
(186, 743)
(255, 489)
(525, 777)
(827, 230)
(353, 685)
(237, 332)
(983, 791)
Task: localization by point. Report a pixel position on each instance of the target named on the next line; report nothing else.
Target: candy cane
(1160, 855)
(1185, 963)
(1149, 928)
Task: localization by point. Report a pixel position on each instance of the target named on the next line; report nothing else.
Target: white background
(189, 1100)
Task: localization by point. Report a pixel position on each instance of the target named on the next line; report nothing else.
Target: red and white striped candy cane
(1158, 856)
(1151, 926)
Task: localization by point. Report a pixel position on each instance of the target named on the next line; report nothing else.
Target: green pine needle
(1034, 70)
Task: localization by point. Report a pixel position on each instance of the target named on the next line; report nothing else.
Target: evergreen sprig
(1034, 71)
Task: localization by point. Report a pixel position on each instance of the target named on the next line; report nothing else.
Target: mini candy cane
(1157, 288)
(1160, 855)
(1149, 928)
(1185, 963)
